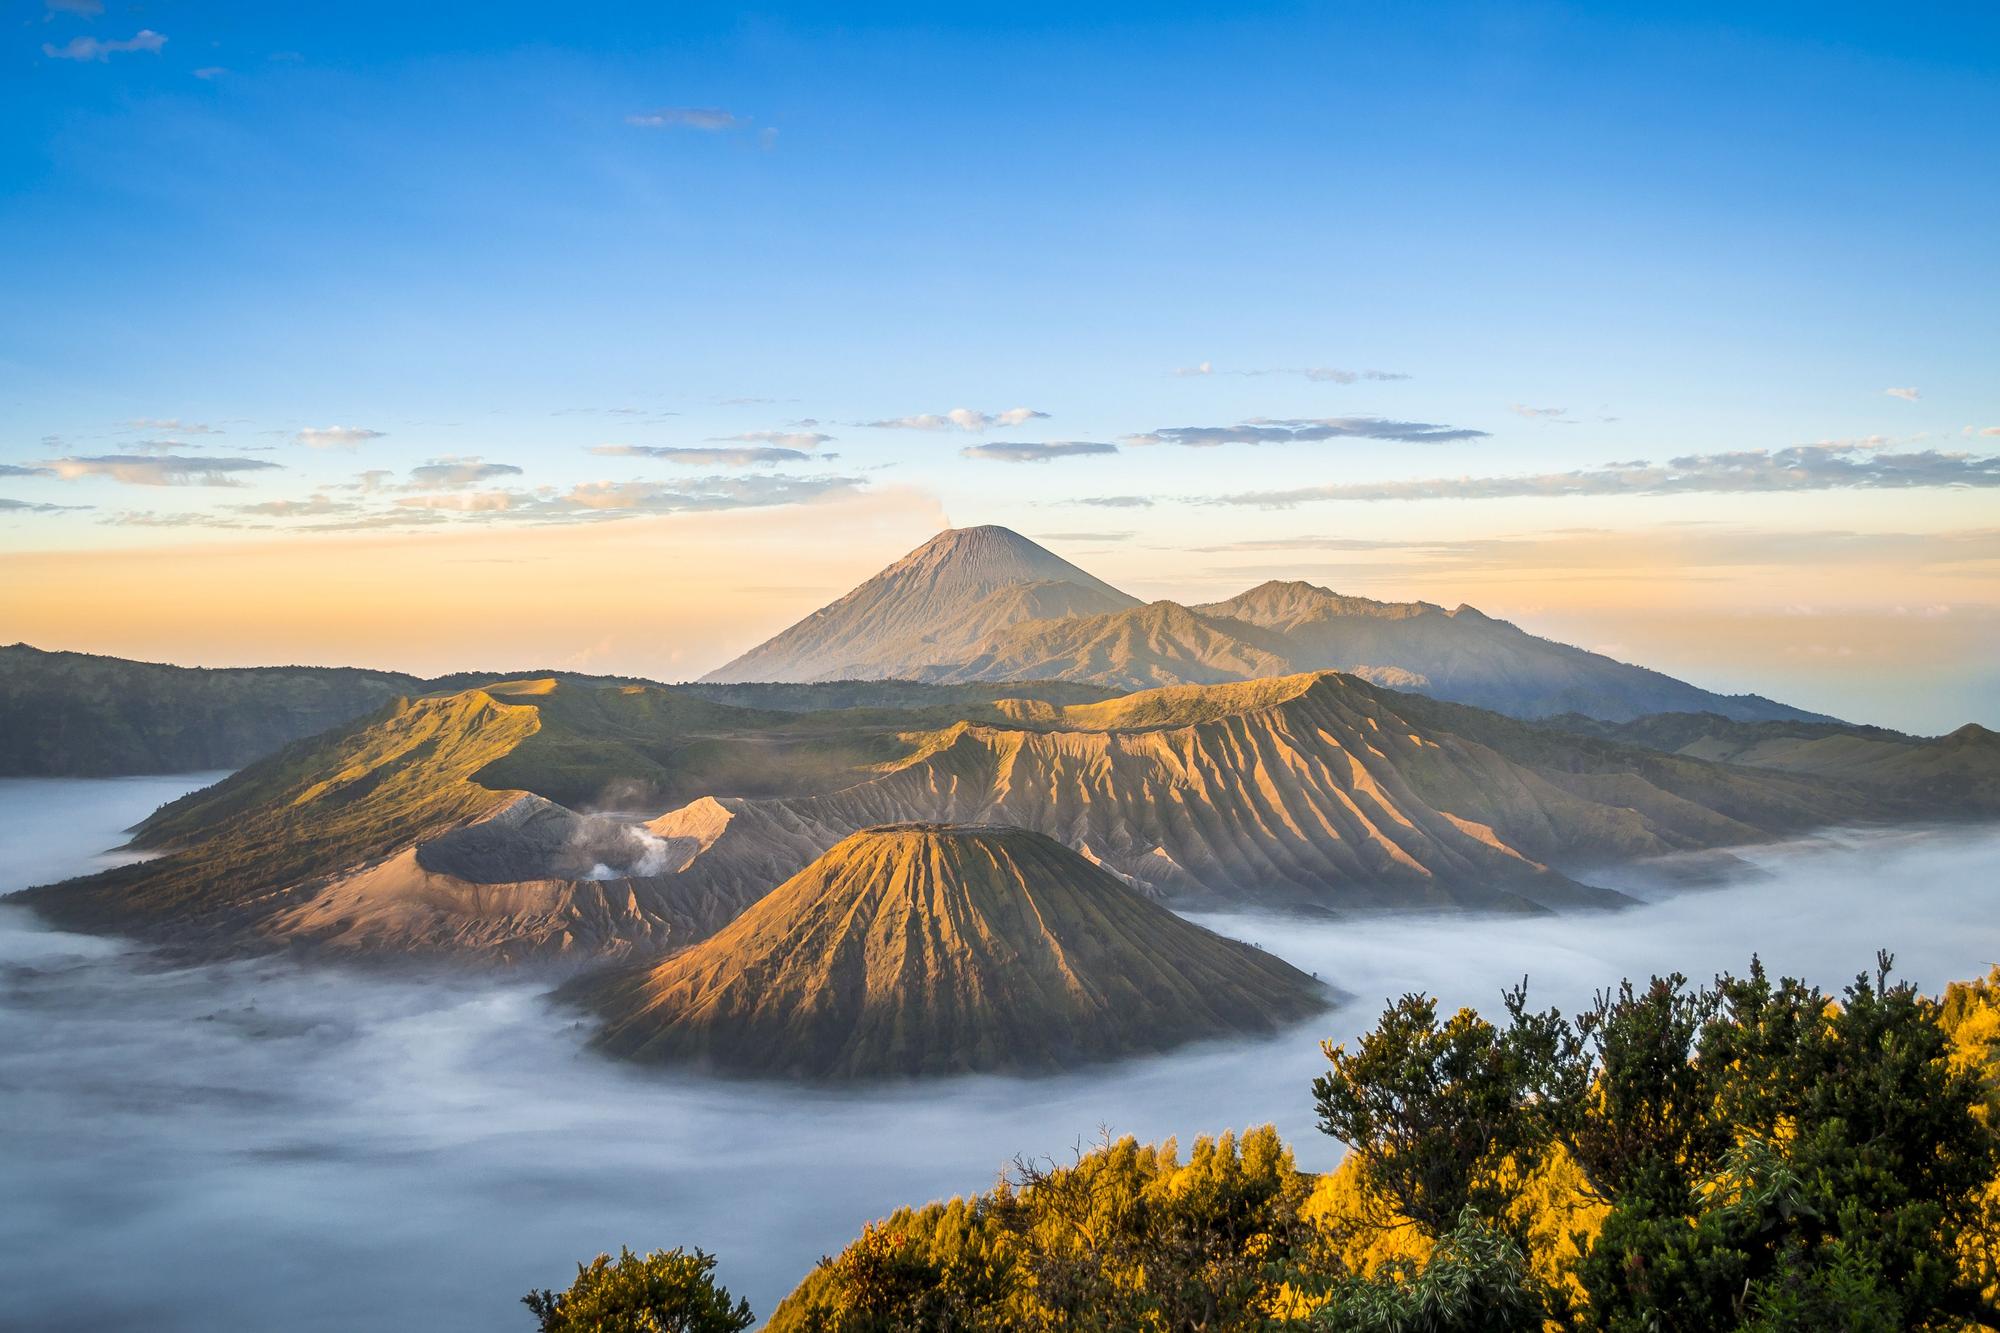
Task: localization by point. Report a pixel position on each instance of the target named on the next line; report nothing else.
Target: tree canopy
(1753, 1155)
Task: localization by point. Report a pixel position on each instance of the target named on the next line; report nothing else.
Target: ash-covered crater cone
(926, 949)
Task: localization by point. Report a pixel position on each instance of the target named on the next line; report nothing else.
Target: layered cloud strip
(1306, 430)
(91, 48)
(1316, 374)
(1808, 467)
(337, 437)
(960, 418)
(589, 502)
(702, 456)
(1023, 452)
(710, 119)
(159, 470)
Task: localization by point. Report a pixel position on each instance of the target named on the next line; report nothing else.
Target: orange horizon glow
(1822, 621)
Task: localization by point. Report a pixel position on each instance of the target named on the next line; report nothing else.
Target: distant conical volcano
(986, 604)
(934, 605)
(933, 949)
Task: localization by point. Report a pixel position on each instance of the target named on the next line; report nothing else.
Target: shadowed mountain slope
(933, 605)
(925, 949)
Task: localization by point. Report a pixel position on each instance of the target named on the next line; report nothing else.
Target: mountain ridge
(959, 609)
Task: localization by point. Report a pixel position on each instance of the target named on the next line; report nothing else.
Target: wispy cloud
(87, 9)
(165, 446)
(1908, 395)
(1016, 452)
(90, 48)
(710, 119)
(207, 72)
(790, 439)
(457, 473)
(141, 470)
(960, 418)
(316, 506)
(1116, 501)
(1335, 375)
(1296, 430)
(1537, 413)
(17, 470)
(34, 507)
(1317, 374)
(591, 502)
(337, 437)
(1812, 467)
(1084, 536)
(172, 424)
(475, 502)
(741, 456)
(706, 494)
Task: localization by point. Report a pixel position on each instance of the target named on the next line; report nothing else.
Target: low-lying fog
(264, 1146)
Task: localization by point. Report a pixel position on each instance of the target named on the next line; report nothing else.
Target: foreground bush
(669, 1291)
(1751, 1156)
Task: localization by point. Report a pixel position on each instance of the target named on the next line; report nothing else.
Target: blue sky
(1563, 237)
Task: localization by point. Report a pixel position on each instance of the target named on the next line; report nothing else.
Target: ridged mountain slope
(933, 605)
(919, 950)
(428, 828)
(1301, 791)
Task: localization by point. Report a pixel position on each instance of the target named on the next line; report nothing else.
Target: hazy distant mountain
(935, 604)
(81, 715)
(927, 949)
(1161, 643)
(1956, 773)
(986, 604)
(1468, 657)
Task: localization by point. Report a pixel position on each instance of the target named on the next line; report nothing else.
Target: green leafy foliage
(1124, 1237)
(668, 1291)
(1772, 1158)
(1477, 1280)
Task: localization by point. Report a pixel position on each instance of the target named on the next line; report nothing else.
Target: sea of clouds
(262, 1144)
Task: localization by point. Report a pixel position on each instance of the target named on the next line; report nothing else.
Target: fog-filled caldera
(265, 1144)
